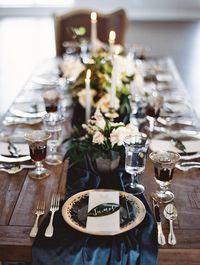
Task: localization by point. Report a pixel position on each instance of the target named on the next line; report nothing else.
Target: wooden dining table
(19, 195)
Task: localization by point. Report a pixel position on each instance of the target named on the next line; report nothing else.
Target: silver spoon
(170, 214)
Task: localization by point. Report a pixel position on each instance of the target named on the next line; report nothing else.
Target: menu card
(108, 223)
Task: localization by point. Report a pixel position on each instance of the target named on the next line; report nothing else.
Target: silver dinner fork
(39, 211)
(55, 201)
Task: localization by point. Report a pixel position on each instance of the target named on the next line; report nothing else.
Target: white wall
(136, 9)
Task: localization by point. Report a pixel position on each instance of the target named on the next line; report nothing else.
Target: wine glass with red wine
(37, 141)
(51, 100)
(164, 163)
(153, 110)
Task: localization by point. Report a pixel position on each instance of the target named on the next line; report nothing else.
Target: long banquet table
(19, 195)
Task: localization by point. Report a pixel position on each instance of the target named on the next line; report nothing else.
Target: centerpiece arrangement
(102, 143)
(102, 80)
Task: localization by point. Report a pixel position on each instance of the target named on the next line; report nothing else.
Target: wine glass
(37, 141)
(51, 100)
(53, 123)
(153, 110)
(136, 149)
(164, 164)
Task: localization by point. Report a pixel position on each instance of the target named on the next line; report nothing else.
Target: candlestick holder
(112, 114)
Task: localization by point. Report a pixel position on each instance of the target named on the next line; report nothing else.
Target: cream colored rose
(131, 130)
(104, 103)
(82, 97)
(117, 136)
(71, 67)
(98, 138)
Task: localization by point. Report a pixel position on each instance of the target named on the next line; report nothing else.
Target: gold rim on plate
(139, 212)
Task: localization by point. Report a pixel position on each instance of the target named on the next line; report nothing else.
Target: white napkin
(191, 146)
(24, 150)
(106, 224)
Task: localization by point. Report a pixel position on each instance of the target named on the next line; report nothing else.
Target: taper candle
(87, 96)
(93, 17)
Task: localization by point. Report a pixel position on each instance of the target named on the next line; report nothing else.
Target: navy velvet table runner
(68, 246)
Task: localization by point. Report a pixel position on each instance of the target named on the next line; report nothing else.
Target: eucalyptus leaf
(104, 209)
(178, 144)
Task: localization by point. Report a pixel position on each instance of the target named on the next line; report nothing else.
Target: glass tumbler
(37, 141)
(53, 123)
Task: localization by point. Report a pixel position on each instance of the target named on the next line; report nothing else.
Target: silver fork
(39, 211)
(55, 201)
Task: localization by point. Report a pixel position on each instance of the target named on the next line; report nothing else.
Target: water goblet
(37, 141)
(53, 123)
(164, 163)
(135, 160)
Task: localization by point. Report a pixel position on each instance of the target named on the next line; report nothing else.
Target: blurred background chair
(64, 24)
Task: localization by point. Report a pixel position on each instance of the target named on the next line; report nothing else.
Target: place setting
(106, 141)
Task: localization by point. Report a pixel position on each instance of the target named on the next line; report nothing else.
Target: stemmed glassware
(135, 160)
(37, 141)
(153, 110)
(164, 164)
(53, 123)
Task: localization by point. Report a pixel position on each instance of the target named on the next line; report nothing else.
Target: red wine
(163, 174)
(152, 111)
(38, 151)
(51, 107)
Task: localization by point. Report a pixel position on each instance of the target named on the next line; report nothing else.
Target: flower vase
(107, 166)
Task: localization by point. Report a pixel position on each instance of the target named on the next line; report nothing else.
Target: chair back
(63, 24)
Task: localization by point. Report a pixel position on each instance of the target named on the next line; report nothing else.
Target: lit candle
(114, 78)
(93, 17)
(87, 96)
(112, 37)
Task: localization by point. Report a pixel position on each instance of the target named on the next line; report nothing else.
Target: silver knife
(161, 236)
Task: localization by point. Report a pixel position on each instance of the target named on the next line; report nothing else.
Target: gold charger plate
(132, 212)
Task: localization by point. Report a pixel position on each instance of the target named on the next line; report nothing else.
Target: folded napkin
(191, 146)
(4, 152)
(109, 223)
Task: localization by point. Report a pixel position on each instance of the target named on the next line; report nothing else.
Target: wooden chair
(116, 21)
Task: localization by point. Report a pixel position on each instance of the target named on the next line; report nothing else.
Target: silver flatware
(170, 214)
(55, 201)
(11, 120)
(13, 169)
(161, 236)
(185, 166)
(169, 121)
(190, 156)
(39, 211)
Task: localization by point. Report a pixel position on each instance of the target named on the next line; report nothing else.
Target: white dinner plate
(74, 212)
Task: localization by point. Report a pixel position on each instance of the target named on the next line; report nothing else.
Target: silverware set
(170, 213)
(40, 210)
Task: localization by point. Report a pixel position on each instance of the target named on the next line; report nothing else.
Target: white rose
(71, 67)
(117, 136)
(98, 138)
(131, 130)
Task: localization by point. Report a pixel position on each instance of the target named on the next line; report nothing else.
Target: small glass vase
(107, 163)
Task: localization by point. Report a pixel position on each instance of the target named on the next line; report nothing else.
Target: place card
(107, 223)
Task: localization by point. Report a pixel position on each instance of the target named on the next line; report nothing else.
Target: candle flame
(112, 35)
(88, 74)
(93, 16)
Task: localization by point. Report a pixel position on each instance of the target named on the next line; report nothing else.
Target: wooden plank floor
(24, 42)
